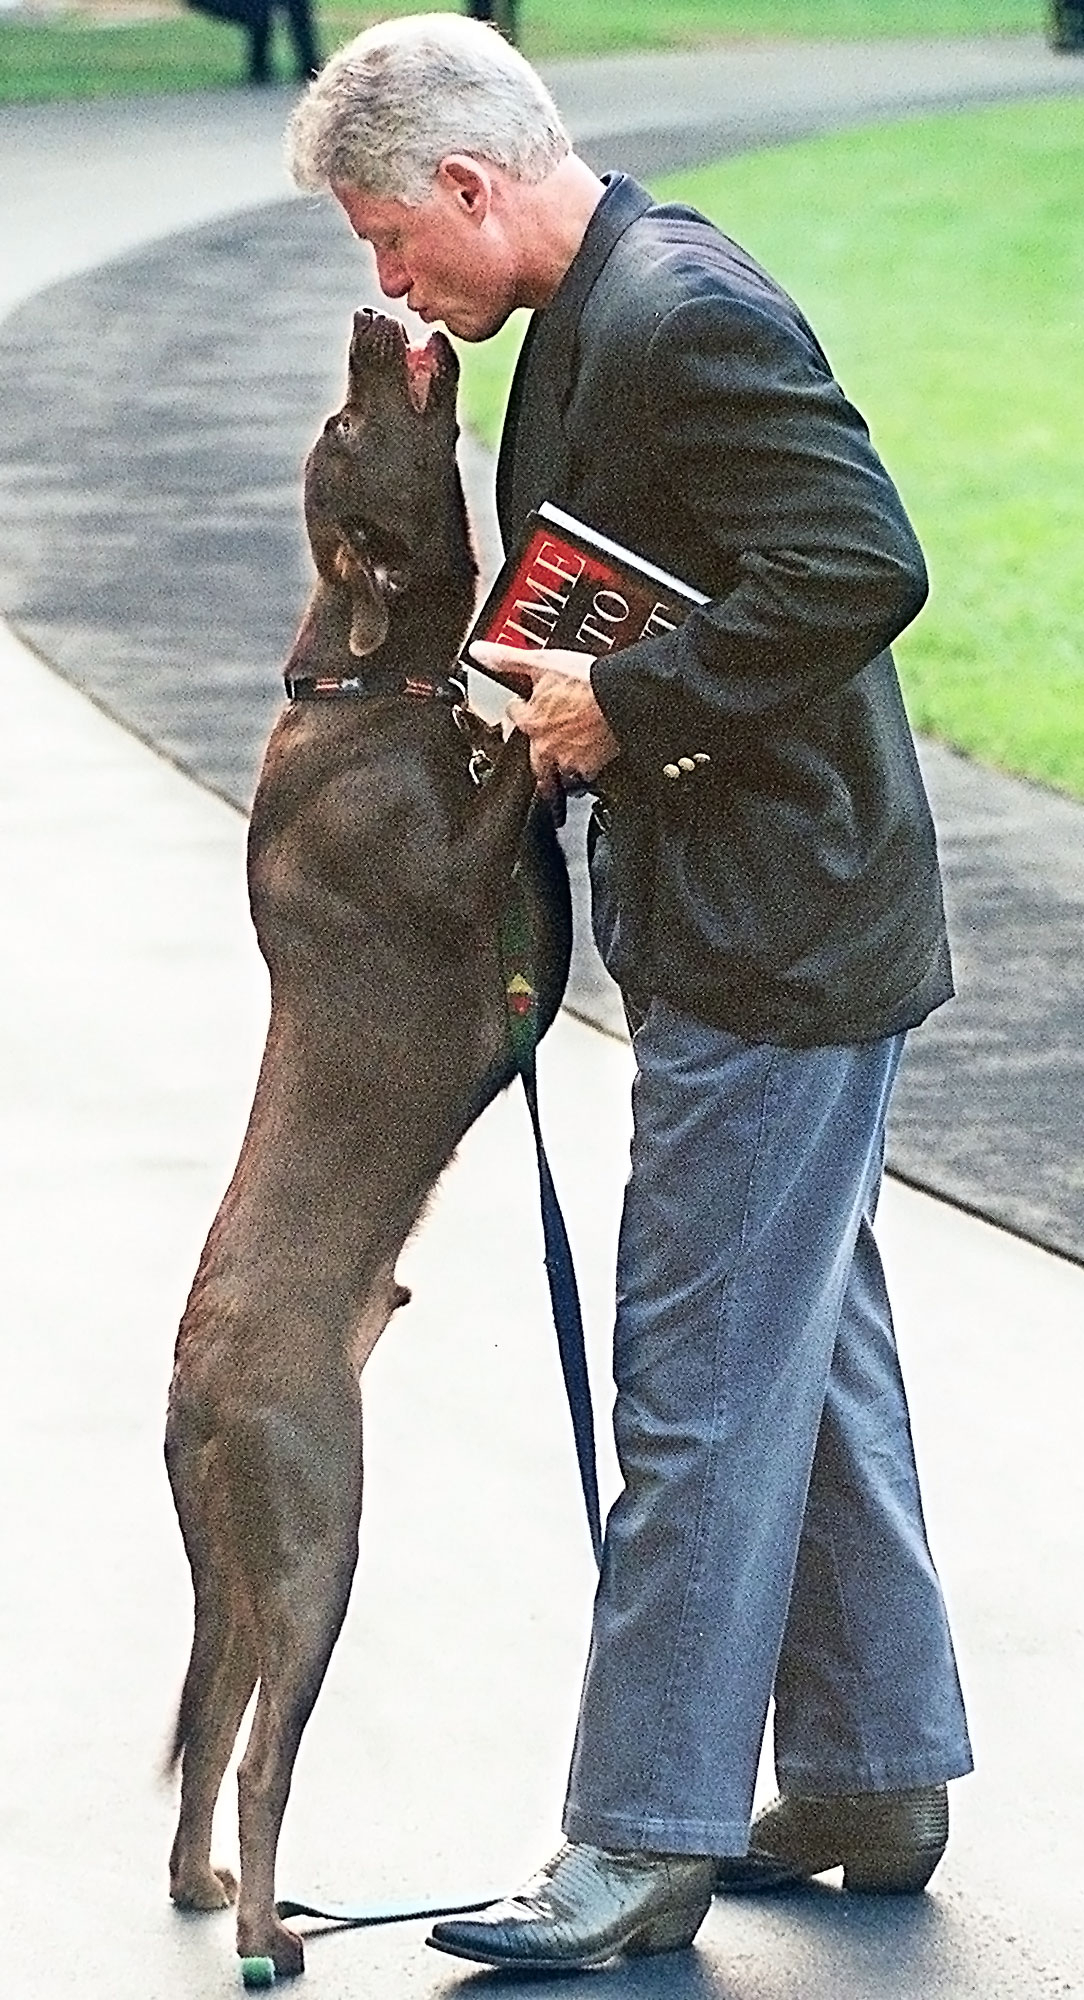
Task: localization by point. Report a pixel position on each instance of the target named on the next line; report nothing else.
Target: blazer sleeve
(759, 449)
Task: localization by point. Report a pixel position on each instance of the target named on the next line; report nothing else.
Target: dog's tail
(188, 1708)
(205, 1689)
(172, 1756)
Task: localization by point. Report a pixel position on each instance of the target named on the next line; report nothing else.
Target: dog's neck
(422, 641)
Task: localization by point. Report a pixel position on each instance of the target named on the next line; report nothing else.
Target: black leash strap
(359, 1916)
(567, 1320)
(521, 996)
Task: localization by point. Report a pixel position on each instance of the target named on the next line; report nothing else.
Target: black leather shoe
(583, 1907)
(887, 1843)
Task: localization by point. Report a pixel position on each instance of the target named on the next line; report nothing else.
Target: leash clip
(480, 763)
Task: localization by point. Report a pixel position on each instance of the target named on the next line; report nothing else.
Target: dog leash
(521, 1001)
(259, 1971)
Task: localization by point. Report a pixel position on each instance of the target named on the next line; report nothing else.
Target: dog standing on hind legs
(379, 872)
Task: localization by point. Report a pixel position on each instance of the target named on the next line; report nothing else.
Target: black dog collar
(383, 680)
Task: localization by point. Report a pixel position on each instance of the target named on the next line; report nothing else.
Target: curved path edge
(168, 585)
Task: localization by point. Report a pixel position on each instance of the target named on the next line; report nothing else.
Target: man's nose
(391, 274)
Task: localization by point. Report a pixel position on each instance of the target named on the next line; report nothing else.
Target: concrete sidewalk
(131, 1020)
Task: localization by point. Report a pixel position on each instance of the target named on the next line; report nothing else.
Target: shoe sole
(865, 1877)
(505, 1964)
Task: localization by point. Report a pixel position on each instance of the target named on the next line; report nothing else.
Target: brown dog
(379, 869)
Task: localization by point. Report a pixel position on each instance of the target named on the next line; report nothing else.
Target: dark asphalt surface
(153, 418)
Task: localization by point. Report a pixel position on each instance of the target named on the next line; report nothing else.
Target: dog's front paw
(202, 1887)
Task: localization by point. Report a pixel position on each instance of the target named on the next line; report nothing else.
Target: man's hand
(570, 737)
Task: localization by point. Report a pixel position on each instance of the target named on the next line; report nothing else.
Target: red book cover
(566, 585)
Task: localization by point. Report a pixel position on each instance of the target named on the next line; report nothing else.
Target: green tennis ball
(258, 1971)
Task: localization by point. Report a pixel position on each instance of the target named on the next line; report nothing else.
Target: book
(566, 585)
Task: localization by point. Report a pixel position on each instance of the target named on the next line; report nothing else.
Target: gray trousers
(769, 1536)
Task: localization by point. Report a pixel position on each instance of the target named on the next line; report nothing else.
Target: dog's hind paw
(204, 1888)
(259, 1943)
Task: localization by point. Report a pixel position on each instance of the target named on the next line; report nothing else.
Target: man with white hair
(766, 892)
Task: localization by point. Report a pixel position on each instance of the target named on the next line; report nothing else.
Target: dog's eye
(382, 546)
(341, 426)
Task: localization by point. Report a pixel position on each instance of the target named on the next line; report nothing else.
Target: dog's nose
(339, 426)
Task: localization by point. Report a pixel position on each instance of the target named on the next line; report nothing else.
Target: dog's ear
(342, 621)
(369, 612)
(339, 624)
(355, 571)
(346, 567)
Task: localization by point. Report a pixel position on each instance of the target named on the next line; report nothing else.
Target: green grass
(566, 27)
(941, 261)
(69, 55)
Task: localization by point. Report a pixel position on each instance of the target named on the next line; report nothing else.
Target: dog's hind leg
(221, 1672)
(288, 1689)
(220, 1679)
(300, 1613)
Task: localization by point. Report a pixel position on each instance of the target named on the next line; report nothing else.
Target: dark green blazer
(787, 887)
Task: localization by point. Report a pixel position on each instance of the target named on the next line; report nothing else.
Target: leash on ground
(259, 1971)
(360, 1916)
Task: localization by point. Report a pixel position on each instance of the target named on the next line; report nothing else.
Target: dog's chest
(356, 825)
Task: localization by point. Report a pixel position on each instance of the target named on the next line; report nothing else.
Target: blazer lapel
(534, 460)
(507, 513)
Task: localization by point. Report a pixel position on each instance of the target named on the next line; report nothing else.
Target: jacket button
(686, 764)
(701, 757)
(671, 771)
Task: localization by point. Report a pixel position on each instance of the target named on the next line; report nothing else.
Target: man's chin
(471, 328)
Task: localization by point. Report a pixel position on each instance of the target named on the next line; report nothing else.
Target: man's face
(445, 256)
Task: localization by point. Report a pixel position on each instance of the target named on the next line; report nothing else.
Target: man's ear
(469, 182)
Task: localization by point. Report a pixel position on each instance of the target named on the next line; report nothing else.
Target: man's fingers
(522, 668)
(510, 665)
(484, 650)
(547, 775)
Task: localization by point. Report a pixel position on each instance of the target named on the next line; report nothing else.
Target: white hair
(387, 108)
